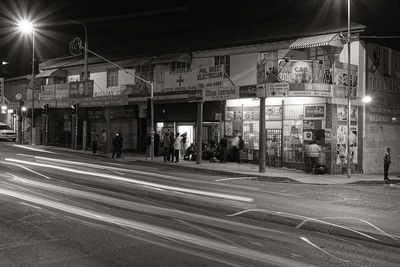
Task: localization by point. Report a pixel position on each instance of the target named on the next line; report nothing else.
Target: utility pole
(199, 133)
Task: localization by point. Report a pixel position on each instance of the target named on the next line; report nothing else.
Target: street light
(348, 90)
(27, 27)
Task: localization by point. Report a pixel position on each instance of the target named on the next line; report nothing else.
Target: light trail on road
(134, 181)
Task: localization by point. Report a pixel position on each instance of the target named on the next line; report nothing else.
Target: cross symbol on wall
(180, 80)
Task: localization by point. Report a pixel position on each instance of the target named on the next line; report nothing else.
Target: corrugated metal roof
(332, 39)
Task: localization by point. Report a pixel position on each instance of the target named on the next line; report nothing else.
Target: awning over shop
(332, 39)
(48, 73)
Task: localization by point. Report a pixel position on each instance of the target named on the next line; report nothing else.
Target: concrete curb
(278, 179)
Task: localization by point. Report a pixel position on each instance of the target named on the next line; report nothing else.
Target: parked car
(7, 133)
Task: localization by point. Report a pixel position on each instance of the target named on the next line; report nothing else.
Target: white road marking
(320, 249)
(16, 177)
(135, 181)
(342, 239)
(305, 219)
(120, 173)
(236, 178)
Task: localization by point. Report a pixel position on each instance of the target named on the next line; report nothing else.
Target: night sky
(114, 22)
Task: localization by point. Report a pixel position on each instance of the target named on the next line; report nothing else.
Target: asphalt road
(70, 209)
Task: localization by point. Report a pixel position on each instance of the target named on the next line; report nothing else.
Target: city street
(69, 208)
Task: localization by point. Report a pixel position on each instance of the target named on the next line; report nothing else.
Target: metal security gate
(275, 136)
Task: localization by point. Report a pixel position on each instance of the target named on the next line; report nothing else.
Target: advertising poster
(342, 113)
(81, 89)
(314, 111)
(301, 71)
(341, 149)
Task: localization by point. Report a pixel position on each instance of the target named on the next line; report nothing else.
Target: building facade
(304, 80)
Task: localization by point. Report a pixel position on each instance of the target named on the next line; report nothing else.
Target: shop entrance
(188, 130)
(274, 147)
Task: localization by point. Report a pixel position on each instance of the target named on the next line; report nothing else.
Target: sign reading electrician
(210, 77)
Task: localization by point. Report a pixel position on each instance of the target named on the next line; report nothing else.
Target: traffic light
(45, 109)
(24, 111)
(75, 108)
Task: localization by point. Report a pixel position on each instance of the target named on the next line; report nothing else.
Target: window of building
(224, 61)
(180, 67)
(112, 77)
(293, 133)
(58, 80)
(145, 72)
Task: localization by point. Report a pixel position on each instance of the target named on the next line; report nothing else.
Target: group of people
(117, 142)
(173, 146)
(237, 145)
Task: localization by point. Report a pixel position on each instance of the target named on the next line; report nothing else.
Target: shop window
(180, 67)
(58, 80)
(293, 141)
(145, 72)
(112, 77)
(224, 61)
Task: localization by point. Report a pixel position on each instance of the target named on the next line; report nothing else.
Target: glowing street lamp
(27, 27)
(367, 99)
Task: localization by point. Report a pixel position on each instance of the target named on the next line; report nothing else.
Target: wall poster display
(341, 147)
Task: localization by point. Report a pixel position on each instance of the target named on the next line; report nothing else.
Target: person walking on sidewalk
(177, 147)
(117, 145)
(386, 163)
(166, 146)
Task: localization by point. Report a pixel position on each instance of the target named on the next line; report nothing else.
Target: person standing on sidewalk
(240, 149)
(235, 148)
(166, 146)
(223, 143)
(386, 163)
(314, 150)
(104, 141)
(177, 147)
(94, 137)
(148, 145)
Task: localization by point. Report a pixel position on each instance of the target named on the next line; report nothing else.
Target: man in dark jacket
(117, 145)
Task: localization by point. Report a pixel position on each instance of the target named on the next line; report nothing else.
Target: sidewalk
(248, 170)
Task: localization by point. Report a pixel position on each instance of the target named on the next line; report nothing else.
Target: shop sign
(96, 114)
(180, 81)
(248, 91)
(47, 92)
(273, 113)
(123, 112)
(199, 78)
(81, 89)
(260, 91)
(210, 77)
(314, 111)
(340, 73)
(223, 93)
(301, 71)
(309, 93)
(195, 95)
(62, 90)
(277, 89)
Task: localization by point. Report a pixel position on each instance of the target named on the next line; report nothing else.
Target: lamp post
(27, 27)
(348, 90)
